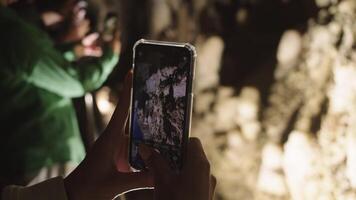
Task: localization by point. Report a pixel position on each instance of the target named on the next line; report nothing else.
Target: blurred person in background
(40, 135)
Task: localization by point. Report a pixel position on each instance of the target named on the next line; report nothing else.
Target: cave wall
(275, 90)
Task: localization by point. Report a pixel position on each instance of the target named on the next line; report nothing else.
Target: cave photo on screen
(159, 108)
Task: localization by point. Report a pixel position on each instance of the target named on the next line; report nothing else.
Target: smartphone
(161, 105)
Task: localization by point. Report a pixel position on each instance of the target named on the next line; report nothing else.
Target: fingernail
(145, 151)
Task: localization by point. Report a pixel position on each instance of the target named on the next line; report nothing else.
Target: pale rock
(232, 158)
(334, 28)
(271, 179)
(224, 92)
(311, 71)
(250, 94)
(246, 111)
(347, 7)
(272, 156)
(271, 182)
(324, 76)
(208, 63)
(248, 106)
(319, 72)
(348, 39)
(203, 102)
(203, 128)
(323, 3)
(332, 9)
(226, 112)
(300, 156)
(322, 15)
(234, 139)
(274, 132)
(251, 130)
(351, 155)
(321, 39)
(345, 82)
(312, 191)
(353, 54)
(337, 153)
(289, 48)
(161, 17)
(210, 120)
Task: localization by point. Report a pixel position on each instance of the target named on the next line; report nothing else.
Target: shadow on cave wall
(249, 58)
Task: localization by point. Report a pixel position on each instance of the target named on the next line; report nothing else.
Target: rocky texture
(319, 132)
(292, 139)
(302, 144)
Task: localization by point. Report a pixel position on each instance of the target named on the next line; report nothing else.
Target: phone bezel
(188, 111)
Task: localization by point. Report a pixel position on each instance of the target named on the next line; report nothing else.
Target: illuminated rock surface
(293, 137)
(302, 145)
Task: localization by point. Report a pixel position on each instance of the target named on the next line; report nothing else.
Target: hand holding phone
(194, 182)
(104, 173)
(161, 100)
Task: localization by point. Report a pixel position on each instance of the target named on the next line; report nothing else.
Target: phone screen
(161, 102)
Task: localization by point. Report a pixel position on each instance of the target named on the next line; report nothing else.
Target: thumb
(154, 161)
(119, 118)
(121, 157)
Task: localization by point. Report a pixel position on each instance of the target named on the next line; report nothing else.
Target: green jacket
(38, 125)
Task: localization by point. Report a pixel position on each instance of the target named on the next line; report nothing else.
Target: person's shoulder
(21, 43)
(15, 29)
(9, 20)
